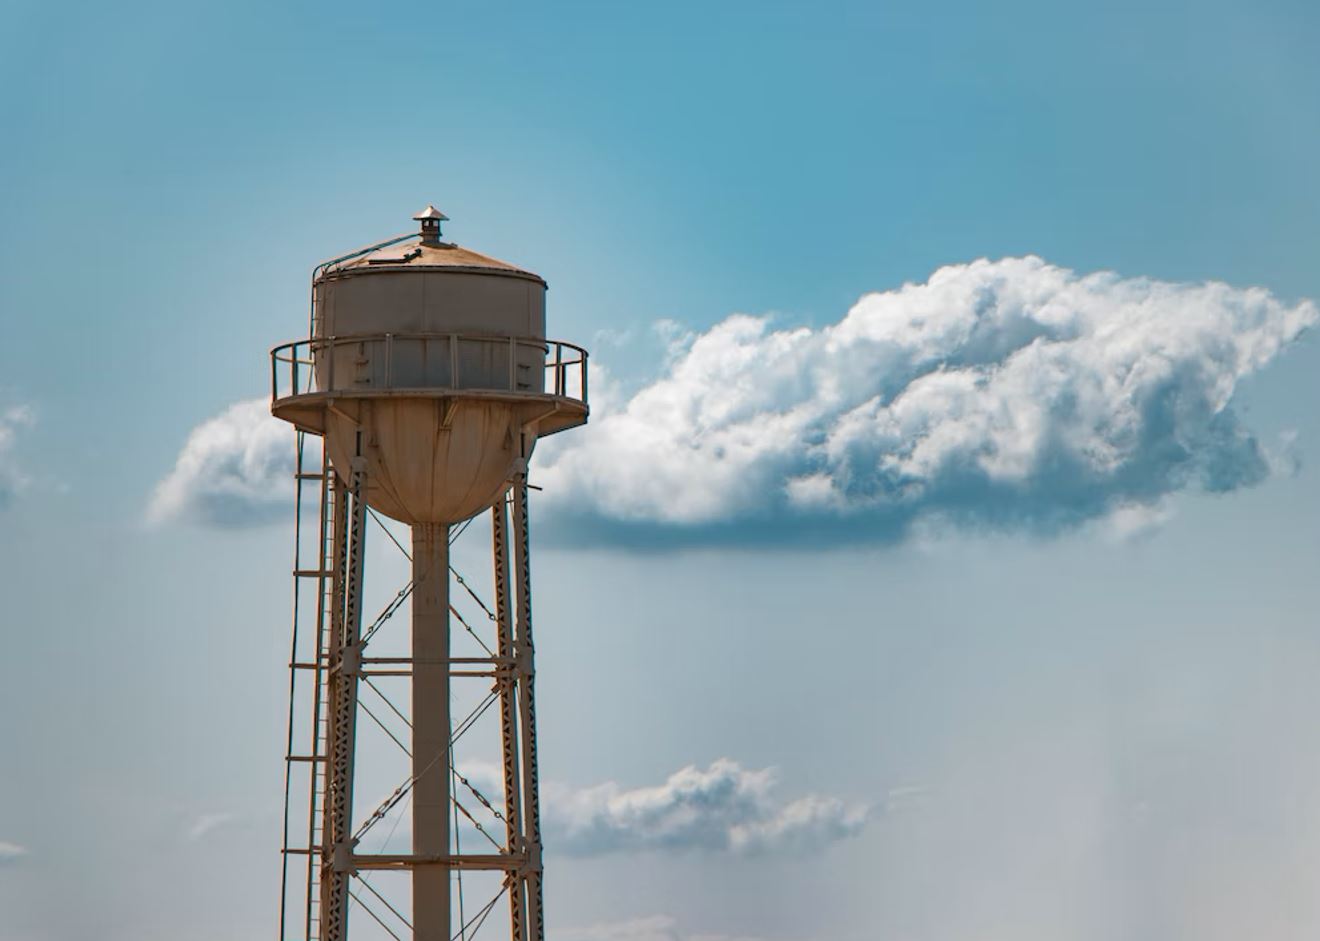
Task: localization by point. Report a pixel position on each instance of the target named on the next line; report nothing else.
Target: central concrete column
(430, 718)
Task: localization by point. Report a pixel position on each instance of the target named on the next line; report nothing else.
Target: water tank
(430, 362)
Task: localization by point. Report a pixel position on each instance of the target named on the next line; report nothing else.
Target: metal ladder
(320, 707)
(324, 582)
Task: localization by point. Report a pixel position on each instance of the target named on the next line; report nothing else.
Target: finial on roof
(430, 218)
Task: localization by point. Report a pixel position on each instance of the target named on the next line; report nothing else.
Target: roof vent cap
(430, 218)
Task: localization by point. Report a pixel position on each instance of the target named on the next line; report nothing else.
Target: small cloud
(611, 337)
(205, 824)
(234, 470)
(1132, 522)
(652, 928)
(721, 808)
(14, 420)
(11, 853)
(1285, 457)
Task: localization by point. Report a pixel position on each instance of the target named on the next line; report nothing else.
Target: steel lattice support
(341, 664)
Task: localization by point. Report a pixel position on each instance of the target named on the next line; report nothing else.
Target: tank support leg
(431, 729)
(527, 708)
(346, 657)
(507, 683)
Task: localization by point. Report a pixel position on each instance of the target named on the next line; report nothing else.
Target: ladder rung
(312, 573)
(303, 758)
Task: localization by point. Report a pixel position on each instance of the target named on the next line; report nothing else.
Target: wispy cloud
(652, 928)
(234, 470)
(14, 420)
(11, 853)
(1010, 395)
(205, 824)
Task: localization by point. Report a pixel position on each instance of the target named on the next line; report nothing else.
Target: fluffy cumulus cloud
(652, 928)
(13, 421)
(235, 469)
(723, 808)
(1009, 394)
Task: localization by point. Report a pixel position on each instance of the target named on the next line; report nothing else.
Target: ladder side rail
(300, 447)
(327, 580)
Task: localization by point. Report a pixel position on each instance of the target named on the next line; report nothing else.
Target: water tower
(428, 377)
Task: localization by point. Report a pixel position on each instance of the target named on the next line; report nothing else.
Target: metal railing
(307, 366)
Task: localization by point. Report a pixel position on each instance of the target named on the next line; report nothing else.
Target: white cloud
(13, 420)
(724, 807)
(235, 469)
(1011, 394)
(11, 853)
(652, 928)
(1131, 522)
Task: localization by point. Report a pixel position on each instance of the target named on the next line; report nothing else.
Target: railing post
(583, 361)
(453, 361)
(389, 360)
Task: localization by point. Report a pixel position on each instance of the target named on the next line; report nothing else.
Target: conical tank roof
(428, 252)
(421, 255)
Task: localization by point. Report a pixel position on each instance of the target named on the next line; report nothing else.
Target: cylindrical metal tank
(433, 359)
(422, 296)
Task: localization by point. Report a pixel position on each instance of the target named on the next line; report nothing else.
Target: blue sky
(1058, 734)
